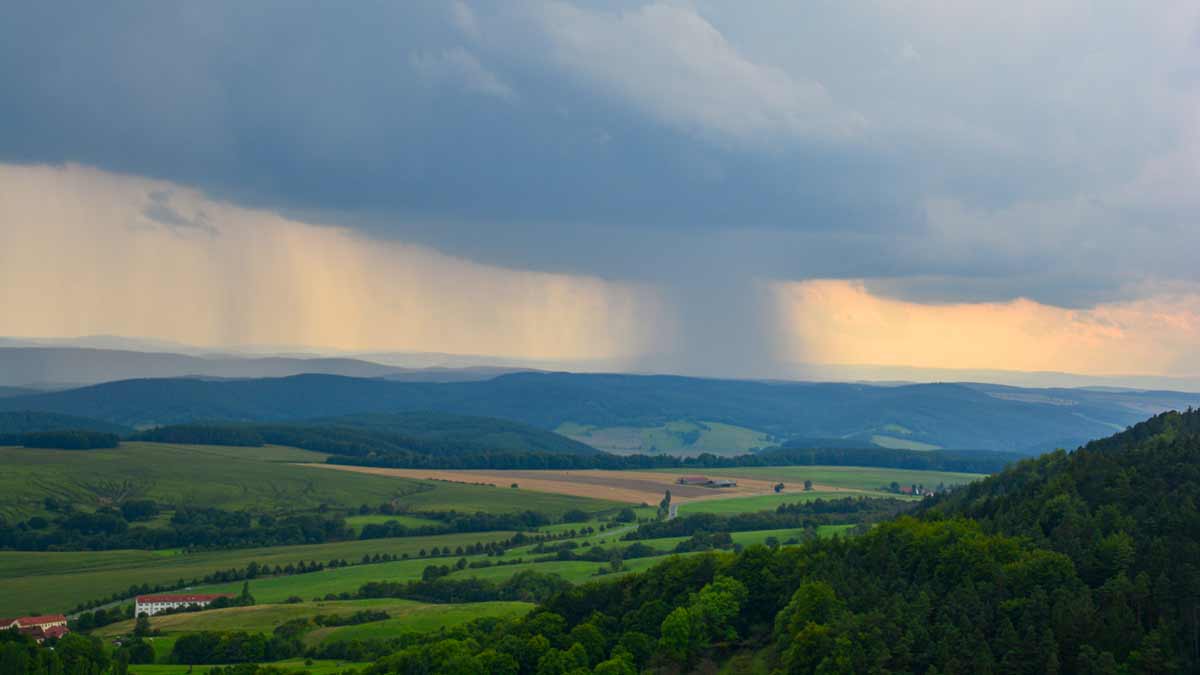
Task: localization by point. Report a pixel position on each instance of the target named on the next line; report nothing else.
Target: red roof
(55, 631)
(35, 620)
(182, 597)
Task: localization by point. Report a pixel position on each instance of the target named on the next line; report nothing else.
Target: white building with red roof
(38, 627)
(161, 602)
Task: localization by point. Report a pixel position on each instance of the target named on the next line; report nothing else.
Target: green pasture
(406, 615)
(762, 502)
(421, 619)
(269, 479)
(289, 666)
(258, 479)
(56, 581)
(849, 477)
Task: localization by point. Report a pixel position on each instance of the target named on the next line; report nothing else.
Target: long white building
(154, 604)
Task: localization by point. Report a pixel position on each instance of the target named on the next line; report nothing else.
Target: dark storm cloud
(710, 148)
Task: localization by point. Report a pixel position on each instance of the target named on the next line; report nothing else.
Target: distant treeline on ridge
(478, 448)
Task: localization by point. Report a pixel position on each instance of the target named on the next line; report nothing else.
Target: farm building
(154, 604)
(38, 627)
(721, 483)
(692, 480)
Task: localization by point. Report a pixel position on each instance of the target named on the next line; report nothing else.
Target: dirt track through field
(632, 487)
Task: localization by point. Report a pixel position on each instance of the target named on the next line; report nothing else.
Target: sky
(695, 187)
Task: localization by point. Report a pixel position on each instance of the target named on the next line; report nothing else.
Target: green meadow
(290, 666)
(57, 581)
(406, 615)
(269, 479)
(420, 619)
(761, 502)
(848, 477)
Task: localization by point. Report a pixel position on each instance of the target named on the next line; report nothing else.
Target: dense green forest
(28, 421)
(959, 416)
(66, 439)
(406, 435)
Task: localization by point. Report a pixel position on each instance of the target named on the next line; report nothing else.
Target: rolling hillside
(957, 416)
(26, 421)
(405, 433)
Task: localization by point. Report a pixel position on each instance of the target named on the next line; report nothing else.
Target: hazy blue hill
(416, 436)
(25, 421)
(6, 392)
(956, 416)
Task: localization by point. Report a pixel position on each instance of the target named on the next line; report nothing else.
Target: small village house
(38, 627)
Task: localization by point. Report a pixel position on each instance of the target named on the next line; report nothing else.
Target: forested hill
(410, 438)
(1126, 511)
(1079, 563)
(26, 421)
(947, 415)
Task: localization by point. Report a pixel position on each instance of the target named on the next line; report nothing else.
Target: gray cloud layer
(951, 152)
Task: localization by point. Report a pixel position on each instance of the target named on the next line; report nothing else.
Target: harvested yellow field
(634, 487)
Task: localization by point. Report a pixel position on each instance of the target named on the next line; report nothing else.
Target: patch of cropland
(943, 415)
(740, 489)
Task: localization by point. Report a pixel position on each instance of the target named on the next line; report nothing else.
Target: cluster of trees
(63, 440)
(798, 515)
(412, 435)
(233, 647)
(527, 586)
(453, 521)
(932, 460)
(73, 653)
(193, 528)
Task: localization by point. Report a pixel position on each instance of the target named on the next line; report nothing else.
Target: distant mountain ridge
(956, 416)
(56, 366)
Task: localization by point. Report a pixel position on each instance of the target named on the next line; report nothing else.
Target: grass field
(406, 615)
(51, 582)
(760, 502)
(233, 478)
(268, 479)
(681, 438)
(420, 619)
(845, 477)
(290, 666)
